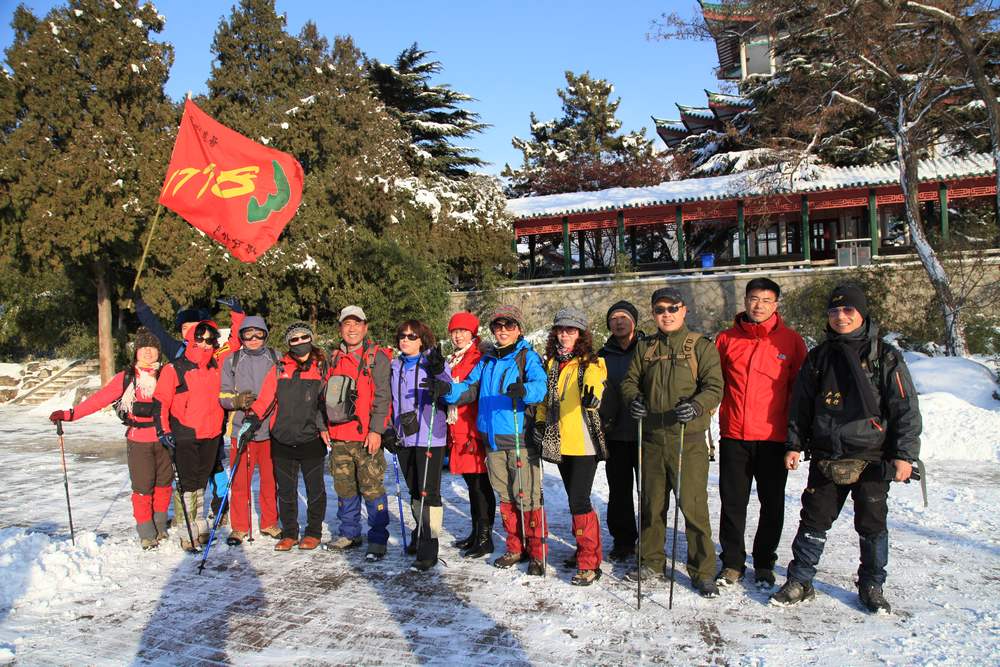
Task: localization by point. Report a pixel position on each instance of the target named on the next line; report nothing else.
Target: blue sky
(511, 56)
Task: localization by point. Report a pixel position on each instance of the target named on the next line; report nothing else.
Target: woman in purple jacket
(420, 377)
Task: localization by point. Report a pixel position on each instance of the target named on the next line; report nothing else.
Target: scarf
(843, 376)
(453, 360)
(144, 385)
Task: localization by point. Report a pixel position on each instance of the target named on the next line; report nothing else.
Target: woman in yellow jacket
(576, 378)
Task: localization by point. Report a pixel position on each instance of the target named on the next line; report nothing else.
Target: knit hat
(145, 338)
(464, 320)
(671, 294)
(849, 295)
(254, 322)
(625, 308)
(508, 312)
(570, 317)
(297, 329)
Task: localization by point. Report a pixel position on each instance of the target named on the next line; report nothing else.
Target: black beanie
(627, 307)
(849, 295)
(191, 315)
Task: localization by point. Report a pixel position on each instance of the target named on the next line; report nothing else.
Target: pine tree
(430, 114)
(584, 149)
(82, 163)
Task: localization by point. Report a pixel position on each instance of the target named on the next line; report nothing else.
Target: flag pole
(145, 249)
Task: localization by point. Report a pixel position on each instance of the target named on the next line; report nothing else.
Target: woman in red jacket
(466, 450)
(293, 398)
(189, 421)
(131, 391)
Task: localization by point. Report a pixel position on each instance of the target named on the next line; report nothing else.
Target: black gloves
(230, 302)
(244, 400)
(251, 423)
(390, 441)
(589, 400)
(637, 408)
(435, 362)
(437, 388)
(538, 434)
(515, 390)
(685, 411)
(168, 441)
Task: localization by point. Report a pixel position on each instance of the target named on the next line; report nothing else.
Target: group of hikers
(495, 411)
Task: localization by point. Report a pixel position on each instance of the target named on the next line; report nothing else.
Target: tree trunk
(313, 316)
(105, 337)
(954, 333)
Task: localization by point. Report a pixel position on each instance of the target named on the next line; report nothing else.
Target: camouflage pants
(355, 471)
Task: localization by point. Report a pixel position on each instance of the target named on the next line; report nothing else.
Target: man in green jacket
(675, 379)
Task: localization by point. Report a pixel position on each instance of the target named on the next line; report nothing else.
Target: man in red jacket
(761, 358)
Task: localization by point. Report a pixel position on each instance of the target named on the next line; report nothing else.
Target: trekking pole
(677, 507)
(241, 448)
(249, 497)
(69, 508)
(427, 464)
(399, 498)
(520, 485)
(541, 500)
(638, 484)
(180, 494)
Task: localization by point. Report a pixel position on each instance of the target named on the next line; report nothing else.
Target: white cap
(352, 311)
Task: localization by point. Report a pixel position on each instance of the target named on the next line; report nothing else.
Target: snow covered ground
(104, 601)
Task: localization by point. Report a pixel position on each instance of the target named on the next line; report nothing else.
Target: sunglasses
(409, 336)
(659, 310)
(253, 334)
(207, 340)
(847, 310)
(299, 339)
(506, 325)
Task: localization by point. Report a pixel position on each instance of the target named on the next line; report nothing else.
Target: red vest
(347, 364)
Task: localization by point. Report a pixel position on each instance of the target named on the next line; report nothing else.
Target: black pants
(286, 476)
(577, 474)
(195, 460)
(412, 462)
(482, 501)
(621, 468)
(742, 462)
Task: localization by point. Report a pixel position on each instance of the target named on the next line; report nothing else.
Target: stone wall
(713, 300)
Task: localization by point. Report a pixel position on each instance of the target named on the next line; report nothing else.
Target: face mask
(300, 349)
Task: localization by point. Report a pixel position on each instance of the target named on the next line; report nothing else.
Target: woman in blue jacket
(419, 378)
(506, 380)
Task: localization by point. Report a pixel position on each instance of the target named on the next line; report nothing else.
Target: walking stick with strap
(69, 508)
(638, 484)
(677, 507)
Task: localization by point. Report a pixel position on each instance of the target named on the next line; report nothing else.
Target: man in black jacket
(854, 409)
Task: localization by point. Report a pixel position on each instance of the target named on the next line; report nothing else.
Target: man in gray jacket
(623, 461)
(243, 373)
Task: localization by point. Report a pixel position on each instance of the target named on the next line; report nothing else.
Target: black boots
(482, 545)
(470, 540)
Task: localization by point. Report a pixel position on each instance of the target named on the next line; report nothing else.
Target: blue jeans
(821, 504)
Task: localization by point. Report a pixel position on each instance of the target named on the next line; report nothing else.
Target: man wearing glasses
(761, 358)
(854, 409)
(674, 381)
(507, 379)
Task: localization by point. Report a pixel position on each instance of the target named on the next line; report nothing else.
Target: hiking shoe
(271, 531)
(793, 592)
(763, 578)
(586, 577)
(570, 563)
(187, 546)
(729, 577)
(873, 600)
(706, 588)
(622, 552)
(648, 574)
(203, 538)
(236, 538)
(308, 543)
(285, 544)
(148, 543)
(374, 556)
(423, 565)
(536, 568)
(342, 543)
(509, 560)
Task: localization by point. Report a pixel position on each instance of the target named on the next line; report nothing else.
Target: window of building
(758, 54)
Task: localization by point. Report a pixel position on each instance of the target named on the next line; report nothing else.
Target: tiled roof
(758, 182)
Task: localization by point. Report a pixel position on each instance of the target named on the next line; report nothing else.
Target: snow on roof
(758, 182)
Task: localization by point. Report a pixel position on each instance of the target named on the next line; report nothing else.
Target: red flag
(237, 191)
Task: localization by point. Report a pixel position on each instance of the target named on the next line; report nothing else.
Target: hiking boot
(161, 537)
(423, 565)
(271, 531)
(706, 588)
(622, 552)
(648, 574)
(585, 577)
(285, 544)
(729, 577)
(411, 547)
(763, 578)
(236, 538)
(536, 568)
(509, 560)
(793, 592)
(873, 600)
(148, 543)
(308, 543)
(374, 556)
(466, 542)
(342, 543)
(570, 563)
(203, 538)
(187, 546)
(482, 545)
